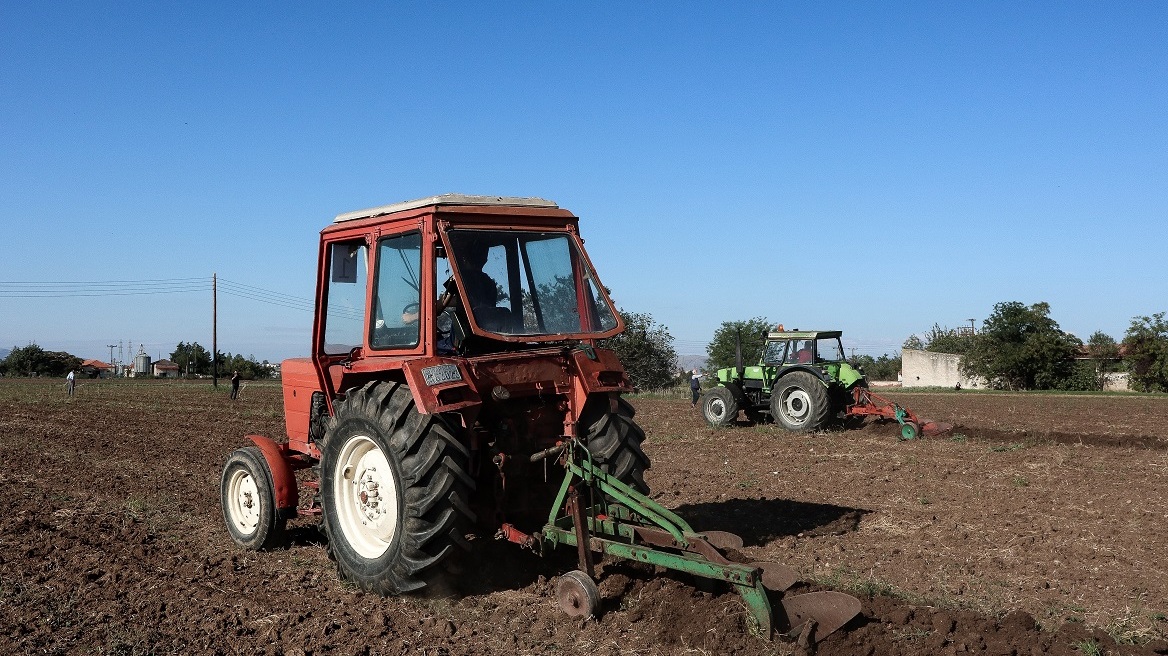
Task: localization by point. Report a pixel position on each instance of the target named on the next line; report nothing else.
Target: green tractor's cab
(802, 382)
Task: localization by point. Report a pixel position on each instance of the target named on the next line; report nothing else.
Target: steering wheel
(412, 308)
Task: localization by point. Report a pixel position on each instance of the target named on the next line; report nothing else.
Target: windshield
(529, 283)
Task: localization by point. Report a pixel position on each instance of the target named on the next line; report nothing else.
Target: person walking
(234, 385)
(695, 388)
(70, 383)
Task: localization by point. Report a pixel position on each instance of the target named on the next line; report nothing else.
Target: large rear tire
(614, 440)
(394, 490)
(799, 402)
(719, 407)
(249, 505)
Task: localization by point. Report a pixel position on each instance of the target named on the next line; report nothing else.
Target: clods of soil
(1037, 526)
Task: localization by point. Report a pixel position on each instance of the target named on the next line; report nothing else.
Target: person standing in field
(70, 383)
(234, 385)
(695, 388)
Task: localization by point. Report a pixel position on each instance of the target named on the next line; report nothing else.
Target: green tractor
(804, 383)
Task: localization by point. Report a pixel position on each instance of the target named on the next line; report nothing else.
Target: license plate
(441, 373)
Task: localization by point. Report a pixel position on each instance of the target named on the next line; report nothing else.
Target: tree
(248, 367)
(1146, 353)
(1021, 347)
(191, 358)
(1104, 351)
(720, 350)
(33, 360)
(885, 367)
(646, 350)
(940, 340)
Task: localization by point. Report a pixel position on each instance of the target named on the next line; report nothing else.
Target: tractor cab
(821, 351)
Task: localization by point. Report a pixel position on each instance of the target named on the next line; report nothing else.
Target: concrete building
(165, 369)
(929, 369)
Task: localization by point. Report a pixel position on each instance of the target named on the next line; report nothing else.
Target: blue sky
(873, 167)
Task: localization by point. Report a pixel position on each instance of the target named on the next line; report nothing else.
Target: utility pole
(214, 331)
(111, 348)
(972, 329)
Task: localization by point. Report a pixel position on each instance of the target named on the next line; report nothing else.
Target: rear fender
(823, 377)
(739, 395)
(283, 479)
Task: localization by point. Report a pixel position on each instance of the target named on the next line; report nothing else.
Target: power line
(62, 289)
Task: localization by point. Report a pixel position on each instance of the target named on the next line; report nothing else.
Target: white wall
(928, 369)
(1116, 382)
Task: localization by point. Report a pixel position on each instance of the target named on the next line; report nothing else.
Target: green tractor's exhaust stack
(804, 383)
(595, 512)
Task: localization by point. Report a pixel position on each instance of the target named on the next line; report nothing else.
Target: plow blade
(828, 610)
(931, 428)
(722, 540)
(776, 577)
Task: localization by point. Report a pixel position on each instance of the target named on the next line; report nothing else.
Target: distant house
(96, 369)
(165, 369)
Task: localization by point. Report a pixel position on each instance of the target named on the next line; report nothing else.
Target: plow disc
(624, 523)
(818, 614)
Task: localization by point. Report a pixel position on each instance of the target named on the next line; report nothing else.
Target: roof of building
(96, 364)
(165, 364)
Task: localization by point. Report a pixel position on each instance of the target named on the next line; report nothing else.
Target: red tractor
(454, 353)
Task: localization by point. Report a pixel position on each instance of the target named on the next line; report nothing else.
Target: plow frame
(867, 403)
(621, 522)
(598, 513)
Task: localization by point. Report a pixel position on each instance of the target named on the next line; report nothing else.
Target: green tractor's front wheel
(719, 407)
(799, 402)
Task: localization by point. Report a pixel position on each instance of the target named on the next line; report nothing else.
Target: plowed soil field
(1038, 526)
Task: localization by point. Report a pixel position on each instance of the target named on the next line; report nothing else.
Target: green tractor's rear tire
(799, 402)
(719, 407)
(394, 489)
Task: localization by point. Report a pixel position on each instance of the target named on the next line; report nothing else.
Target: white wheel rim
(716, 409)
(243, 501)
(796, 406)
(366, 497)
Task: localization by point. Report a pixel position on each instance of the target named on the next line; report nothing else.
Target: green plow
(599, 514)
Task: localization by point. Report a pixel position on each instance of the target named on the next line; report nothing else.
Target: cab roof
(804, 334)
(447, 199)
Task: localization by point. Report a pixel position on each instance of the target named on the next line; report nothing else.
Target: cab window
(344, 322)
(774, 352)
(398, 295)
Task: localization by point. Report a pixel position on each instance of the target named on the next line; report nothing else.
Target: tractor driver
(803, 355)
(481, 289)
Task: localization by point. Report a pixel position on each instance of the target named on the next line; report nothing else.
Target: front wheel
(719, 407)
(395, 490)
(799, 402)
(249, 506)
